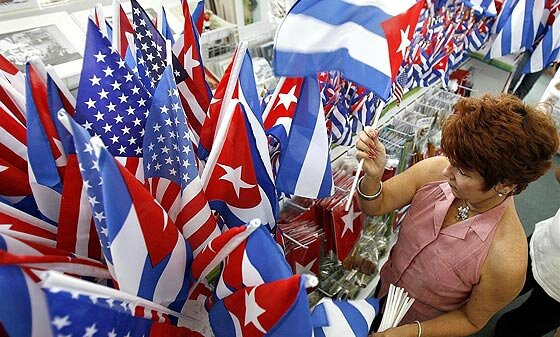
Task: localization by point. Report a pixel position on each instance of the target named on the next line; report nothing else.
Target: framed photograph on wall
(13, 5)
(81, 17)
(266, 50)
(55, 38)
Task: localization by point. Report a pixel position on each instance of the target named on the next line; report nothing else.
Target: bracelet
(419, 328)
(365, 196)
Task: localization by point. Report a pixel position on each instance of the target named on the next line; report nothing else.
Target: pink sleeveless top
(438, 267)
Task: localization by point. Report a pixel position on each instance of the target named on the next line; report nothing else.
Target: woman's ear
(504, 188)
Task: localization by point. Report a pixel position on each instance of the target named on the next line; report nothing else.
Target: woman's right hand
(370, 149)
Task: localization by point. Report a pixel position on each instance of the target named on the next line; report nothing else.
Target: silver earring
(500, 194)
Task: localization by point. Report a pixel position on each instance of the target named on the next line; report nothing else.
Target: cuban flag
(546, 51)
(32, 254)
(162, 25)
(219, 248)
(129, 219)
(349, 318)
(237, 177)
(483, 7)
(341, 132)
(112, 102)
(278, 113)
(477, 36)
(46, 155)
(76, 230)
(170, 166)
(198, 16)
(305, 165)
(120, 27)
(305, 259)
(519, 30)
(23, 312)
(347, 227)
(503, 16)
(255, 261)
(274, 309)
(21, 225)
(376, 36)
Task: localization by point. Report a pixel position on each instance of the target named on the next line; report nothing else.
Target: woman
(461, 252)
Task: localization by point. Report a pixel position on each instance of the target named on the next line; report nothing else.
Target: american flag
(135, 61)
(32, 254)
(76, 230)
(151, 43)
(170, 166)
(194, 90)
(10, 73)
(19, 224)
(113, 103)
(14, 182)
(400, 84)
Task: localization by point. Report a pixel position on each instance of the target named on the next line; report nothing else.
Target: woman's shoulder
(428, 171)
(509, 250)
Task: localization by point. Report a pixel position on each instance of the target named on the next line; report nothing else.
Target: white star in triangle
(348, 219)
(234, 177)
(190, 62)
(253, 311)
(405, 42)
(305, 269)
(287, 99)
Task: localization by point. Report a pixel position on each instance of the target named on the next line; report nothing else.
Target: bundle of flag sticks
(396, 307)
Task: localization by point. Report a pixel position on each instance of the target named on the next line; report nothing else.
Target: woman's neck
(486, 204)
